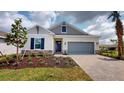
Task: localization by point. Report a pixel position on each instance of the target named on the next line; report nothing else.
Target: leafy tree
(119, 31)
(17, 37)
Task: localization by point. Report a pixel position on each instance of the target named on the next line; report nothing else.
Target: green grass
(44, 74)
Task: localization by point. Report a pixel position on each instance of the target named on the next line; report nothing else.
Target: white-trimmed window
(37, 43)
(64, 29)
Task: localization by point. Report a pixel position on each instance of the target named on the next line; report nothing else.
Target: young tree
(119, 31)
(17, 36)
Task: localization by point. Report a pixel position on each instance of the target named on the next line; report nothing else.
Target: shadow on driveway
(108, 59)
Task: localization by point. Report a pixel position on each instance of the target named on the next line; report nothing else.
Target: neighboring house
(4, 48)
(109, 47)
(61, 38)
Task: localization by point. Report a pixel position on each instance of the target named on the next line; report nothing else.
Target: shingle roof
(79, 31)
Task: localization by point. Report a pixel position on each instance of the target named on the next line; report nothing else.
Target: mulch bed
(33, 62)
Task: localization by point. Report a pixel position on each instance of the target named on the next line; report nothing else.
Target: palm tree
(119, 31)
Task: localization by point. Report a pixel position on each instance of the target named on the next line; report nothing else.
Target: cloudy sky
(93, 22)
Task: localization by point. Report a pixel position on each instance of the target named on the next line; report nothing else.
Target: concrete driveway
(101, 68)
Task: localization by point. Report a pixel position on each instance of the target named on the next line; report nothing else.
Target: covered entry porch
(58, 43)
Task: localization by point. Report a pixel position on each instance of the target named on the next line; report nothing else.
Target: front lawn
(45, 74)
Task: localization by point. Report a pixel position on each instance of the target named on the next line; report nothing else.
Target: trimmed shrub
(12, 55)
(29, 58)
(6, 59)
(42, 63)
(3, 59)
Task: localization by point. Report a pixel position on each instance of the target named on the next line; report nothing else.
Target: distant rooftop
(109, 45)
(3, 34)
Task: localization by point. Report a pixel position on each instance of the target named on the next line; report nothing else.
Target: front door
(58, 46)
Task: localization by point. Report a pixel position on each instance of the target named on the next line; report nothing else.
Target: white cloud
(7, 18)
(103, 28)
(101, 19)
(45, 18)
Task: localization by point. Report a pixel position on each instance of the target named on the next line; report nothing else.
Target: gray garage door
(80, 48)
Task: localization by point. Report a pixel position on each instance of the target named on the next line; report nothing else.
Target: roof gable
(71, 30)
(39, 30)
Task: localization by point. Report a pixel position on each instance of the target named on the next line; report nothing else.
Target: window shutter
(42, 43)
(32, 43)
